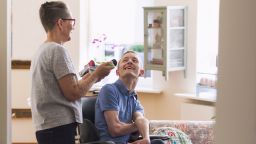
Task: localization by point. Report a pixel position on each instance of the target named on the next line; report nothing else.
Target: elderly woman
(56, 91)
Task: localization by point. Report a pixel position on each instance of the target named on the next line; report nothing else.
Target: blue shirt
(115, 97)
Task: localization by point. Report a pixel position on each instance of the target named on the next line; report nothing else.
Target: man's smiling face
(129, 65)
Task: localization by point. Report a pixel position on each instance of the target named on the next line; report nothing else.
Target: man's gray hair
(134, 52)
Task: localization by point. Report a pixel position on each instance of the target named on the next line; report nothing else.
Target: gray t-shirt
(50, 108)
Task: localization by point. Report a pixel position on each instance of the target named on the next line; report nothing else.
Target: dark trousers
(64, 134)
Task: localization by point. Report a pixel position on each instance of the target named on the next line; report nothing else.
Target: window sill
(206, 98)
(138, 89)
(148, 90)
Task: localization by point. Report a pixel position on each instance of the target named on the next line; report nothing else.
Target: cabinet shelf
(173, 49)
(150, 48)
(176, 28)
(177, 69)
(152, 28)
(154, 67)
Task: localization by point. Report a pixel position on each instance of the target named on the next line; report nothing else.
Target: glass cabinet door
(176, 38)
(155, 37)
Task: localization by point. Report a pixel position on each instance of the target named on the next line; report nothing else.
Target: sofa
(199, 132)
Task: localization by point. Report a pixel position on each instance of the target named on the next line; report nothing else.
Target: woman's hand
(103, 70)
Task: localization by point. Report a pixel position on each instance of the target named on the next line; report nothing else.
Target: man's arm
(74, 89)
(143, 126)
(115, 126)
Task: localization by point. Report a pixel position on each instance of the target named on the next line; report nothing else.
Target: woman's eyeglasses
(70, 19)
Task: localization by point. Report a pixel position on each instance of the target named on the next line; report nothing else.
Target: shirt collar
(123, 89)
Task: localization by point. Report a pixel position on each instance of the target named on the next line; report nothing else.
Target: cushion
(176, 136)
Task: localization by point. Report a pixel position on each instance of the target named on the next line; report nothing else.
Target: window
(119, 26)
(207, 46)
(116, 26)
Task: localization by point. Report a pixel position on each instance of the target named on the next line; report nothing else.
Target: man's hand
(115, 126)
(142, 124)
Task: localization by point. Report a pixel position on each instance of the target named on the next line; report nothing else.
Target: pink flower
(99, 40)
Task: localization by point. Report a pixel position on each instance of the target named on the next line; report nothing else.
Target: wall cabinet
(165, 38)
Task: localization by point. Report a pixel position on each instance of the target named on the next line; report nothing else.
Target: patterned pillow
(176, 136)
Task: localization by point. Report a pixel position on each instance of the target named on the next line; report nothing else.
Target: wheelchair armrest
(162, 137)
(152, 137)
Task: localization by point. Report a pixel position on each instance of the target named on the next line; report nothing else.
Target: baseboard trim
(21, 64)
(24, 143)
(21, 113)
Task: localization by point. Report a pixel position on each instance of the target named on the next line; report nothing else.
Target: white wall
(177, 81)
(5, 63)
(21, 87)
(236, 102)
(23, 130)
(84, 26)
(191, 111)
(28, 32)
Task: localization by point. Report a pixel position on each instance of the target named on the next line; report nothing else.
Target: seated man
(118, 113)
